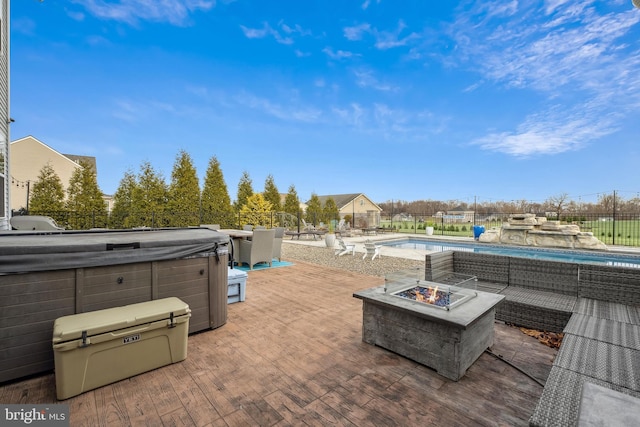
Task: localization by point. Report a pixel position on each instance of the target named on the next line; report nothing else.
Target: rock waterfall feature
(529, 230)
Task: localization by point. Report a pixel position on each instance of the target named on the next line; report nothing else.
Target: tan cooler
(101, 347)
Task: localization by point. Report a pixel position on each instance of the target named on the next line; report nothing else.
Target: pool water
(618, 260)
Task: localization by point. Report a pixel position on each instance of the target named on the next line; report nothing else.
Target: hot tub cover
(32, 251)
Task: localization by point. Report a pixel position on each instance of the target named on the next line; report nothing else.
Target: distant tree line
(561, 205)
(146, 199)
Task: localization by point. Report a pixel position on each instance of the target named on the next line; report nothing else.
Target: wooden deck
(292, 354)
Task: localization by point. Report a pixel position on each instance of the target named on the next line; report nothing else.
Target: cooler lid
(71, 327)
(235, 273)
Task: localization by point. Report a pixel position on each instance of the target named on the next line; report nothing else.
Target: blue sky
(409, 100)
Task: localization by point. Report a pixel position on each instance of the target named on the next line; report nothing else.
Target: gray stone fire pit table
(447, 339)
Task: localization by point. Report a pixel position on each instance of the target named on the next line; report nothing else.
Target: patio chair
(247, 227)
(34, 222)
(277, 243)
(344, 248)
(371, 249)
(342, 229)
(258, 249)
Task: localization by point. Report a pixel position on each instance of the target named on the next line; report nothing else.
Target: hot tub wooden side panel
(31, 302)
(195, 281)
(112, 286)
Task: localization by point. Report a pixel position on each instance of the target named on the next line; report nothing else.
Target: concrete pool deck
(418, 254)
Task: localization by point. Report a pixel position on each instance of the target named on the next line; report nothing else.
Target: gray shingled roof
(89, 159)
(341, 200)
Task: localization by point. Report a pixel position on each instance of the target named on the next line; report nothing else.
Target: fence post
(614, 217)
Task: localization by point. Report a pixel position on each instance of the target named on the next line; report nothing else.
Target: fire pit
(438, 296)
(440, 326)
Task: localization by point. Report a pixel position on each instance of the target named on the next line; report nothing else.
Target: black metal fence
(619, 229)
(612, 229)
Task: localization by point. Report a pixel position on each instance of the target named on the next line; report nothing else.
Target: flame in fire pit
(427, 295)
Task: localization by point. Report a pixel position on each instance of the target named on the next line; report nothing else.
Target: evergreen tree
(257, 210)
(330, 212)
(183, 200)
(291, 206)
(47, 195)
(123, 206)
(84, 199)
(150, 197)
(245, 190)
(216, 203)
(271, 193)
(314, 210)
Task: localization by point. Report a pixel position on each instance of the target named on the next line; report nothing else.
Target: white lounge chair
(371, 249)
(345, 248)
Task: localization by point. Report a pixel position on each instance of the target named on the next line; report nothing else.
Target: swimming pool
(604, 258)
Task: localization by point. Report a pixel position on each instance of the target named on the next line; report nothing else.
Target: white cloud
(551, 132)
(340, 54)
(393, 124)
(571, 53)
(355, 33)
(383, 39)
(391, 39)
(267, 30)
(296, 29)
(127, 110)
(175, 12)
(367, 3)
(365, 78)
(256, 33)
(290, 111)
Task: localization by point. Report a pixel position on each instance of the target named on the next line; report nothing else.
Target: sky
(400, 100)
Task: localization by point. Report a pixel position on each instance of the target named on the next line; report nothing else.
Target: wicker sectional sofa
(539, 294)
(596, 306)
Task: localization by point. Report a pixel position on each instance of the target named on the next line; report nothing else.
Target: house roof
(71, 157)
(90, 160)
(343, 200)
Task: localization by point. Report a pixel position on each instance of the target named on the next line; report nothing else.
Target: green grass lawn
(626, 232)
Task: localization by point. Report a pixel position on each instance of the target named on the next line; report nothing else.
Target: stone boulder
(527, 230)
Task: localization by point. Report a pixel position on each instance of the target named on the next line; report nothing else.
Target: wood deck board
(292, 354)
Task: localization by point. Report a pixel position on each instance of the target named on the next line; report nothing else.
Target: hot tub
(44, 276)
